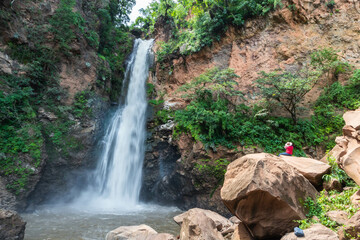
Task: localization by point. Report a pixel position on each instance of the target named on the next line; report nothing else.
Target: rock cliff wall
(68, 119)
(284, 39)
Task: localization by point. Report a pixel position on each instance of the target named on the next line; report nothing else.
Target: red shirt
(289, 149)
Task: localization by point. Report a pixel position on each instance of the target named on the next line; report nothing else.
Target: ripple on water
(55, 222)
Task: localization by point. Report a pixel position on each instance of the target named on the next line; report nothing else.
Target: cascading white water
(118, 175)
(111, 200)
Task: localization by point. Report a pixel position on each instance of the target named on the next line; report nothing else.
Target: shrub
(326, 202)
(337, 173)
(197, 24)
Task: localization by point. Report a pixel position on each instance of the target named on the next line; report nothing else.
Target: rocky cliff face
(76, 72)
(284, 39)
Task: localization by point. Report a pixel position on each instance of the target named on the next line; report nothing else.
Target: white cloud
(135, 11)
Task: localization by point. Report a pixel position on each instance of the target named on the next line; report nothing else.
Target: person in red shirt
(289, 149)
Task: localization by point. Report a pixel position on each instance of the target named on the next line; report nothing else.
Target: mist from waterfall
(118, 176)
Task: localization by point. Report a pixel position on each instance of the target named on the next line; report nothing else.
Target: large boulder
(315, 232)
(312, 169)
(351, 164)
(351, 229)
(141, 232)
(196, 225)
(12, 227)
(265, 193)
(222, 223)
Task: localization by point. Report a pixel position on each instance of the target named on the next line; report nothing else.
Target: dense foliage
(337, 173)
(218, 115)
(196, 24)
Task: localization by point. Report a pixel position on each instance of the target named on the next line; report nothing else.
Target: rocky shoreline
(266, 195)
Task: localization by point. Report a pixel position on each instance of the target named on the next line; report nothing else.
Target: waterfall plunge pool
(56, 222)
(116, 182)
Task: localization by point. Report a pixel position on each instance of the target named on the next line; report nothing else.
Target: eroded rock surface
(311, 169)
(12, 227)
(221, 223)
(340, 217)
(241, 233)
(264, 192)
(351, 229)
(347, 149)
(198, 226)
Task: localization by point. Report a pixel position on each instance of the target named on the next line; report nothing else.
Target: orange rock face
(311, 169)
(283, 40)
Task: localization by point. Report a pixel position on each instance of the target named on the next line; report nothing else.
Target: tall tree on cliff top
(120, 10)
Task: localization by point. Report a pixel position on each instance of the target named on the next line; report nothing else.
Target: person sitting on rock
(289, 149)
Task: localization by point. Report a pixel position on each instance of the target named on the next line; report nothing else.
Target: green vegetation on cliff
(196, 24)
(218, 115)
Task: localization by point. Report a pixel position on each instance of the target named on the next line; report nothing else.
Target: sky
(135, 11)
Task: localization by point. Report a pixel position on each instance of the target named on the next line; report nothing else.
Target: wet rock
(12, 227)
(7, 199)
(315, 232)
(311, 169)
(264, 192)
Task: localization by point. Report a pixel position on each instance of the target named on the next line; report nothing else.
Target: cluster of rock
(262, 190)
(196, 224)
(347, 149)
(266, 192)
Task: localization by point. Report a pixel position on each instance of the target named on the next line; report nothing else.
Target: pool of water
(54, 222)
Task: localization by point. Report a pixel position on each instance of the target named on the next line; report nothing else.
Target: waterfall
(117, 179)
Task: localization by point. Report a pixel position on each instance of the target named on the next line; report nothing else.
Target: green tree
(287, 89)
(210, 115)
(328, 61)
(119, 11)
